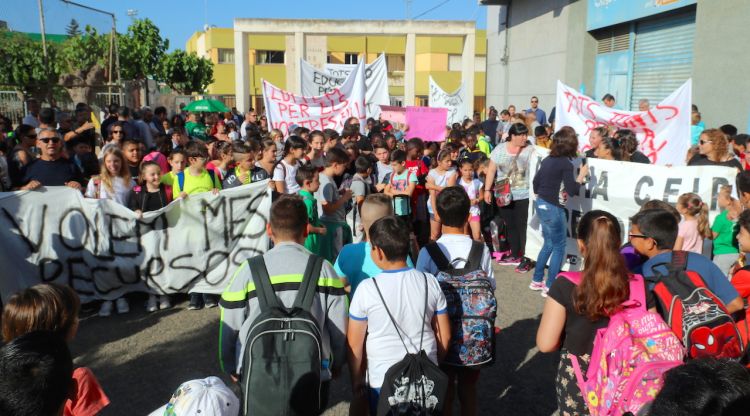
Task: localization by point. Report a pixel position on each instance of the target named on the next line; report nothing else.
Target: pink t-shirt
(691, 238)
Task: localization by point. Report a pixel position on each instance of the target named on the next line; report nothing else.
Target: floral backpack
(630, 356)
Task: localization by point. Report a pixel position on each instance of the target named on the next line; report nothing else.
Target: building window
(422, 101)
(351, 58)
(395, 62)
(269, 57)
(226, 56)
(454, 62)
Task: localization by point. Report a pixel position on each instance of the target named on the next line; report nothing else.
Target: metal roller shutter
(663, 57)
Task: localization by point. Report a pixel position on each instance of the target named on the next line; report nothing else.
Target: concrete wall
(546, 41)
(721, 83)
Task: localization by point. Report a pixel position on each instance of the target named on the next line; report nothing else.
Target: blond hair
(104, 175)
(719, 141)
(694, 206)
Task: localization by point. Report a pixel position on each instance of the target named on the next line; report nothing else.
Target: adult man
(111, 118)
(644, 105)
(541, 116)
(595, 139)
(144, 131)
(609, 100)
(123, 115)
(83, 128)
(51, 169)
(47, 119)
(195, 127)
(250, 124)
(157, 122)
(489, 126)
(32, 119)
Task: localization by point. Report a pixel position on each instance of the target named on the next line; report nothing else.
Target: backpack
(499, 236)
(282, 360)
(181, 179)
(629, 358)
(415, 385)
(472, 308)
(696, 315)
(401, 197)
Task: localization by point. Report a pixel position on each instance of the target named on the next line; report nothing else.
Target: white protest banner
(102, 250)
(663, 131)
(326, 111)
(455, 102)
(317, 82)
(621, 188)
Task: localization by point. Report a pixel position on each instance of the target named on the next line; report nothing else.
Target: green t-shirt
(726, 239)
(197, 130)
(312, 242)
(195, 184)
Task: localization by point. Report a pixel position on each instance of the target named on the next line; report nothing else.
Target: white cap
(202, 397)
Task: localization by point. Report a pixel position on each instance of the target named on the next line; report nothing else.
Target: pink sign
(426, 123)
(393, 114)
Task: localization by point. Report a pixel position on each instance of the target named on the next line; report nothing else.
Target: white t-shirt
(472, 190)
(440, 179)
(121, 190)
(403, 291)
(287, 173)
(456, 249)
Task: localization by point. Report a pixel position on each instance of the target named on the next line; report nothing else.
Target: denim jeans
(554, 234)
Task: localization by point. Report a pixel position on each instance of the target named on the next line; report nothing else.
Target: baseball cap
(201, 397)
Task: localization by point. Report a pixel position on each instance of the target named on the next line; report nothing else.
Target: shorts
(475, 218)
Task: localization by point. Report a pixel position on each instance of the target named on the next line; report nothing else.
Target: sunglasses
(704, 141)
(117, 131)
(534, 101)
(46, 140)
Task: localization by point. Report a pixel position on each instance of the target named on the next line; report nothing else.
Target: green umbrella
(207, 106)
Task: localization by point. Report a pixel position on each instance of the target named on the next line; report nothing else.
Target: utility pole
(41, 23)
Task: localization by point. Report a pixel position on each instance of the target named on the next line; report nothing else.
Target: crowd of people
(383, 246)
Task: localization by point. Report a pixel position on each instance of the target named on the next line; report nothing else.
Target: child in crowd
(52, 307)
(131, 149)
(414, 151)
(441, 176)
(285, 171)
(224, 159)
(399, 291)
(244, 171)
(473, 188)
(401, 186)
(285, 264)
(454, 207)
(333, 204)
(694, 226)
(723, 230)
(151, 196)
(574, 313)
(114, 183)
(267, 159)
(309, 182)
(208, 396)
(361, 186)
(383, 167)
(278, 138)
(196, 179)
(177, 162)
(315, 155)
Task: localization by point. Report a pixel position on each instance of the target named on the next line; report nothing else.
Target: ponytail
(704, 228)
(694, 206)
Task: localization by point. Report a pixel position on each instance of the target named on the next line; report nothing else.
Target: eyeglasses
(631, 236)
(534, 101)
(46, 140)
(117, 131)
(704, 141)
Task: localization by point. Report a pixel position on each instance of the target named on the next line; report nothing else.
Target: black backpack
(415, 385)
(281, 364)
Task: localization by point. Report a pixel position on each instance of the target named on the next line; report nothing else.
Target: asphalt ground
(140, 358)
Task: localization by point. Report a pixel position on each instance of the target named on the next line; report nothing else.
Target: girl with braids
(694, 226)
(573, 313)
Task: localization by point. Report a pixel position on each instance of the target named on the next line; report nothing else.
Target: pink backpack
(629, 358)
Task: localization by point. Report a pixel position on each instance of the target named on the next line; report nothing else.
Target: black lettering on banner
(602, 182)
(73, 270)
(716, 183)
(189, 280)
(117, 245)
(670, 190)
(221, 208)
(236, 226)
(159, 223)
(33, 245)
(49, 275)
(211, 263)
(154, 267)
(696, 185)
(645, 180)
(69, 218)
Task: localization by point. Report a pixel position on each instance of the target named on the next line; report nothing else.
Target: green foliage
(81, 53)
(186, 73)
(141, 50)
(23, 66)
(73, 29)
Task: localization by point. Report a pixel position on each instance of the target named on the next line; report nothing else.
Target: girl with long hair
(694, 226)
(286, 168)
(441, 176)
(573, 313)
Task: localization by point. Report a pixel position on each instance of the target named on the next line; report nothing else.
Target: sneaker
(509, 261)
(164, 302)
(122, 306)
(151, 304)
(106, 309)
(545, 290)
(526, 265)
(536, 285)
(196, 302)
(211, 301)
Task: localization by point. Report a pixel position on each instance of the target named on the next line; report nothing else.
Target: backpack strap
(393, 321)
(267, 298)
(679, 261)
(442, 262)
(212, 175)
(475, 256)
(181, 180)
(637, 296)
(307, 290)
(574, 277)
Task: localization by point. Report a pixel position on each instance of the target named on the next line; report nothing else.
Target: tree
(72, 29)
(186, 73)
(82, 62)
(23, 67)
(141, 50)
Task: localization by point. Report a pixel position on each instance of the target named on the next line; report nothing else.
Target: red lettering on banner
(274, 97)
(592, 104)
(282, 109)
(652, 151)
(675, 110)
(303, 110)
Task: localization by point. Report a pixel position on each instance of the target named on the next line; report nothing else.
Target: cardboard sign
(393, 114)
(426, 123)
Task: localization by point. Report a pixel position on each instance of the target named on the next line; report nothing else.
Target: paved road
(141, 358)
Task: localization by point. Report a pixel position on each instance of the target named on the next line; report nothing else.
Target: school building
(270, 49)
(631, 49)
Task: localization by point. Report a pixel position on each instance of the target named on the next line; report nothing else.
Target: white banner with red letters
(663, 131)
(327, 111)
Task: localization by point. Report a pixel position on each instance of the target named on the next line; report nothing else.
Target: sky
(179, 19)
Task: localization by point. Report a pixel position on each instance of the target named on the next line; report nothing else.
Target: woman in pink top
(694, 226)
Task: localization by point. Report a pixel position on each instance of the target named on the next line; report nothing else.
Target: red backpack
(696, 315)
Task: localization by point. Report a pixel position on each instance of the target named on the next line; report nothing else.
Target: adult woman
(556, 170)
(712, 151)
(629, 147)
(510, 160)
(267, 159)
(221, 132)
(263, 125)
(573, 313)
(608, 149)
